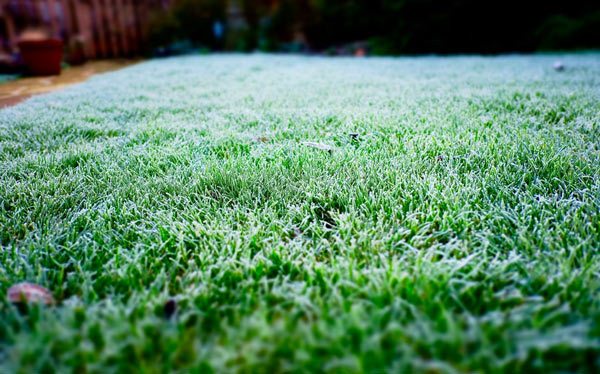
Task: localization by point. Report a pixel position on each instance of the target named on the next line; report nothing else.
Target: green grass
(8, 77)
(460, 232)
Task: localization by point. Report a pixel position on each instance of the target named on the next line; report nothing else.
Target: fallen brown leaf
(261, 139)
(29, 293)
(321, 146)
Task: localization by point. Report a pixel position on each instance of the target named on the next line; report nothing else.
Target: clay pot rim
(44, 43)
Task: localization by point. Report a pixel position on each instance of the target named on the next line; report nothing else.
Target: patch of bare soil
(13, 92)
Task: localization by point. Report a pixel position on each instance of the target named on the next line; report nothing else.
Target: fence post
(53, 17)
(98, 29)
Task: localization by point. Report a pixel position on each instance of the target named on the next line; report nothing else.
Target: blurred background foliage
(378, 26)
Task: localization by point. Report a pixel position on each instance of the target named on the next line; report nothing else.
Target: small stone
(24, 293)
(558, 66)
(170, 308)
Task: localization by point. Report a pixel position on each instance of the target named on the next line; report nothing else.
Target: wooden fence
(89, 28)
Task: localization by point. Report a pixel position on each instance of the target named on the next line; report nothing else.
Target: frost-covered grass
(459, 232)
(7, 77)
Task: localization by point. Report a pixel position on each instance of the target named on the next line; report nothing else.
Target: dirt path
(13, 92)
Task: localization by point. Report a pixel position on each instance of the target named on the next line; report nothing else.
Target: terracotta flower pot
(42, 57)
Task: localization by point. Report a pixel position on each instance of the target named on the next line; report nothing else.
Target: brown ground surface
(15, 91)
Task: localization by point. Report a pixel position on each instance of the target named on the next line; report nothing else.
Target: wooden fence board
(98, 28)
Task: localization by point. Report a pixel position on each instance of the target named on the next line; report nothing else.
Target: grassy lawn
(7, 77)
(458, 231)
